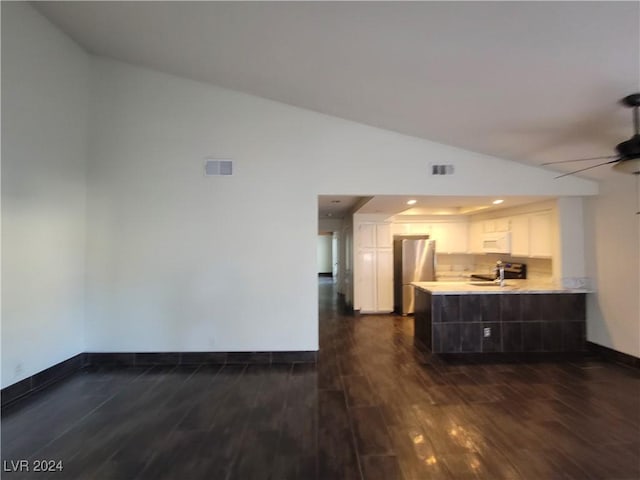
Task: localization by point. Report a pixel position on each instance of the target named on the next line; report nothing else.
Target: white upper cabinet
(374, 235)
(383, 235)
(503, 224)
(411, 228)
(450, 237)
(495, 225)
(531, 233)
(459, 237)
(520, 236)
(475, 237)
(540, 235)
(366, 235)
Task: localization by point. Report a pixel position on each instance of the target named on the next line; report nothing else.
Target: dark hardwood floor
(374, 407)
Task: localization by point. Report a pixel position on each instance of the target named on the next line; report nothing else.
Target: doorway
(325, 255)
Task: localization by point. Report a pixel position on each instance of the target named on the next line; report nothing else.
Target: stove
(511, 271)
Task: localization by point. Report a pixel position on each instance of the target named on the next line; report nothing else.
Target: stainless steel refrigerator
(414, 260)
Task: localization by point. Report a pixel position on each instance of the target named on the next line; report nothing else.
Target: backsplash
(459, 266)
(537, 268)
(454, 266)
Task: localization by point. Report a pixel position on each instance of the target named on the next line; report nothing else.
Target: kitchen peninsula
(483, 317)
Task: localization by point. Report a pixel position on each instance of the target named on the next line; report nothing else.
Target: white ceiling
(526, 81)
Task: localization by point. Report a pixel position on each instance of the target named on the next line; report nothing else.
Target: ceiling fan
(628, 158)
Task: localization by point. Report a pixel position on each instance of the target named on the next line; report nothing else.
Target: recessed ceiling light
(498, 202)
(412, 202)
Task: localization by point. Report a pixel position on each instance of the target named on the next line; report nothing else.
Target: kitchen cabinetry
(500, 322)
(520, 236)
(450, 237)
(475, 237)
(366, 235)
(374, 235)
(374, 259)
(366, 282)
(531, 233)
(496, 225)
(478, 228)
(540, 243)
(384, 280)
(411, 228)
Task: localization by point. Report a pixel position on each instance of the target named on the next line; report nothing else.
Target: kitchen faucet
(500, 272)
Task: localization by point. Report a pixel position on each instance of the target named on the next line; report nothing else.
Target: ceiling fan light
(628, 166)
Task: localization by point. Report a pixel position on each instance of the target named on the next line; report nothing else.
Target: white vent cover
(441, 169)
(216, 167)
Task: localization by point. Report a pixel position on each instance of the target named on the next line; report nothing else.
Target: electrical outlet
(18, 370)
(487, 331)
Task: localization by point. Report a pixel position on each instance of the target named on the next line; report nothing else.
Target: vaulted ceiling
(526, 81)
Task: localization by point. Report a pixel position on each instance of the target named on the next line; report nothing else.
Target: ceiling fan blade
(580, 160)
(588, 168)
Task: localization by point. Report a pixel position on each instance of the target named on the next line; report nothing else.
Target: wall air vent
(441, 169)
(215, 167)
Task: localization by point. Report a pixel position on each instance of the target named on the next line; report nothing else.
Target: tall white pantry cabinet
(374, 257)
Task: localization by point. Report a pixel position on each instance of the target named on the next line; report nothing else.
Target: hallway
(373, 407)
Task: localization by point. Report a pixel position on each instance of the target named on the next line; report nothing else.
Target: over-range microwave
(496, 242)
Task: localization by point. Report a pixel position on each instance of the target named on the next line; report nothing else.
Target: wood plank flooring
(374, 407)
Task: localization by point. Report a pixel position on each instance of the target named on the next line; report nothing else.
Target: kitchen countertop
(511, 286)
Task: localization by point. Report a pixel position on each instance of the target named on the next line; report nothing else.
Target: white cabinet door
(502, 224)
(438, 233)
(520, 236)
(384, 277)
(476, 230)
(450, 237)
(366, 235)
(367, 279)
(375, 268)
(383, 235)
(496, 225)
(540, 243)
(458, 238)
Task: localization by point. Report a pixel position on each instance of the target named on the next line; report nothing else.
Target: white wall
(325, 253)
(612, 244)
(44, 136)
(569, 243)
(177, 261)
